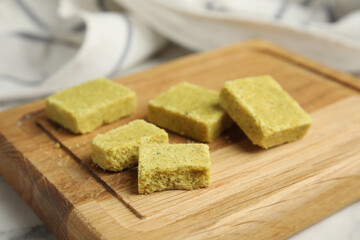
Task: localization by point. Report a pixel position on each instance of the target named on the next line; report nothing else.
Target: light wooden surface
(254, 193)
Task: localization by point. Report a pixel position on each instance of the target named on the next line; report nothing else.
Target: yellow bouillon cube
(87, 106)
(264, 111)
(118, 149)
(191, 111)
(173, 166)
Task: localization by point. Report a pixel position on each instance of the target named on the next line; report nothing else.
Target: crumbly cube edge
(172, 172)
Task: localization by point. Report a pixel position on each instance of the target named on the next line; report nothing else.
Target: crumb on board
(57, 145)
(227, 138)
(63, 161)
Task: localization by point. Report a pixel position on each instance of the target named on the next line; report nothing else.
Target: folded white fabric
(47, 45)
(327, 31)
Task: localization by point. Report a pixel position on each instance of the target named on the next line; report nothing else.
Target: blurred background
(48, 45)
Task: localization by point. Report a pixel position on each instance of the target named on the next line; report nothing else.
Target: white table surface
(18, 222)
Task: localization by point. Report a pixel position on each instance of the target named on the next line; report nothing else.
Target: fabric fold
(48, 45)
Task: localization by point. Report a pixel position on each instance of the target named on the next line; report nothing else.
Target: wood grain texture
(254, 193)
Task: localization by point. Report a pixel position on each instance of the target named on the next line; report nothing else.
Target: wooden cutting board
(254, 193)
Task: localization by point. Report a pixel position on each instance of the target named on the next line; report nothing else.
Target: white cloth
(325, 30)
(47, 45)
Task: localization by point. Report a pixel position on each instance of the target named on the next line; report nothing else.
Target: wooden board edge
(259, 45)
(345, 79)
(27, 180)
(263, 46)
(18, 182)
